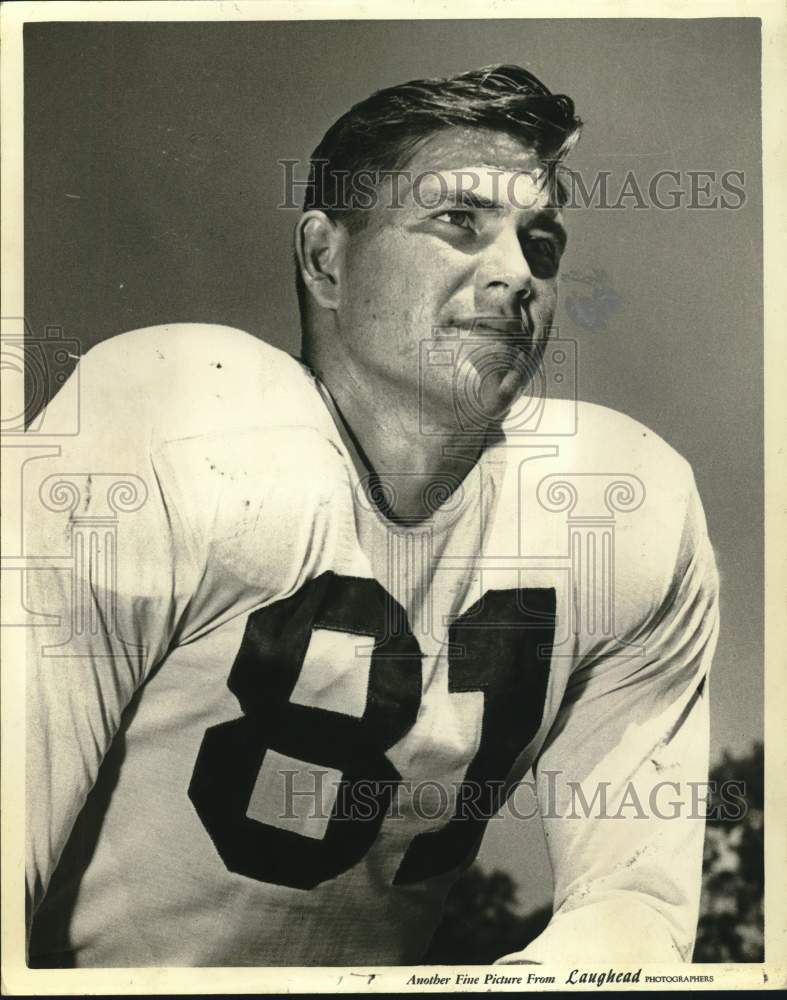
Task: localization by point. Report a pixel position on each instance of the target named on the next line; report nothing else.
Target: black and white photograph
(384, 499)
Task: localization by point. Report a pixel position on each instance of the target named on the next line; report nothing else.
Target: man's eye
(543, 257)
(456, 217)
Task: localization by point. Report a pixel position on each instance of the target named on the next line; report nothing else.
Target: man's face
(467, 255)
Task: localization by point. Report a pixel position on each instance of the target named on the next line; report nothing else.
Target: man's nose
(504, 279)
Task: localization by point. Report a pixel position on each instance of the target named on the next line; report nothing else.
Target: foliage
(731, 913)
(480, 922)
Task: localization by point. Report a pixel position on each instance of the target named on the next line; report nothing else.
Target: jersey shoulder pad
(593, 438)
(186, 379)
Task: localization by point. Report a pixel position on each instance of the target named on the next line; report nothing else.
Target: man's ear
(319, 244)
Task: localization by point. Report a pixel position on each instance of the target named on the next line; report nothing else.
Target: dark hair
(383, 131)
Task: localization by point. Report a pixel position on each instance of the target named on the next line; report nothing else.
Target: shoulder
(233, 442)
(596, 423)
(593, 470)
(185, 352)
(190, 378)
(589, 438)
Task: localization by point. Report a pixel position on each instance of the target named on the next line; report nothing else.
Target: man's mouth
(502, 327)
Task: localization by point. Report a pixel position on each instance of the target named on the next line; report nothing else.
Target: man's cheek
(544, 306)
(413, 326)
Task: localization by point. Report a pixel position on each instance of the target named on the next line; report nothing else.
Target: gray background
(151, 186)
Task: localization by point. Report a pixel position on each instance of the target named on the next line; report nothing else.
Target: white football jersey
(267, 726)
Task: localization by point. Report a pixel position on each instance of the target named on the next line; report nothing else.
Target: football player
(307, 623)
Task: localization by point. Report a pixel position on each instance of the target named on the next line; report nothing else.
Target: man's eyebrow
(465, 199)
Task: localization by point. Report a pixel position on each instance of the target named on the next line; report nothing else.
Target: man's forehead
(494, 167)
(464, 148)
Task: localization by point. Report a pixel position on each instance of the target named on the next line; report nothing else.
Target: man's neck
(405, 469)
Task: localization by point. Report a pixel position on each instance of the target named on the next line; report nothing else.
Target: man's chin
(511, 386)
(488, 403)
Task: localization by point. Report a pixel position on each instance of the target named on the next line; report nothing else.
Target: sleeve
(621, 782)
(105, 569)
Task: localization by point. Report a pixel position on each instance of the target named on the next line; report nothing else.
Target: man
(316, 619)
